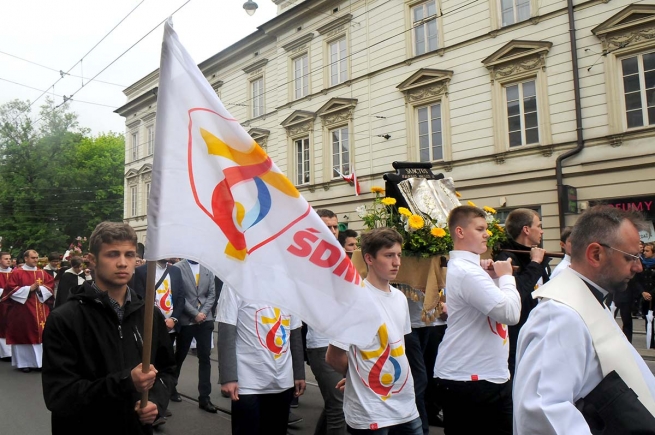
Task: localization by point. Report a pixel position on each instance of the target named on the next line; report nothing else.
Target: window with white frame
(514, 11)
(133, 200)
(257, 92)
(151, 140)
(338, 61)
(135, 146)
(301, 76)
(424, 22)
(639, 89)
(430, 140)
(301, 149)
(522, 117)
(340, 151)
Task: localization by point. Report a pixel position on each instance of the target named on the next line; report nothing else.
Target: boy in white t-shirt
(379, 393)
(471, 371)
(260, 361)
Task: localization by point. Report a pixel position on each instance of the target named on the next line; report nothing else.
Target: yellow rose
(471, 203)
(388, 201)
(489, 209)
(377, 189)
(490, 233)
(405, 212)
(438, 232)
(416, 222)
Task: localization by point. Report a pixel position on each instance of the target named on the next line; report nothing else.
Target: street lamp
(250, 7)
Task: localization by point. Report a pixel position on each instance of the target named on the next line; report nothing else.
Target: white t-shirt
(564, 264)
(163, 297)
(415, 311)
(379, 387)
(475, 346)
(315, 340)
(264, 362)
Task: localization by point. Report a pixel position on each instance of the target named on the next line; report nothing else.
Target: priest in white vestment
(570, 341)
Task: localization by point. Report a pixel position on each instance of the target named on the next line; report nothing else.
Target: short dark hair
(110, 232)
(54, 256)
(462, 215)
(517, 219)
(325, 213)
(76, 261)
(379, 238)
(343, 235)
(652, 246)
(566, 233)
(600, 224)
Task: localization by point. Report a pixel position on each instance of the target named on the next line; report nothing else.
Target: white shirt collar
(26, 267)
(590, 282)
(466, 255)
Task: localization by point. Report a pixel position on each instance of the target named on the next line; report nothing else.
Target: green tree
(56, 182)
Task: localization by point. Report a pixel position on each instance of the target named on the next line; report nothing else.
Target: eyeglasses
(628, 257)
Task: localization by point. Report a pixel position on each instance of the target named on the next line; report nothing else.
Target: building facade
(482, 89)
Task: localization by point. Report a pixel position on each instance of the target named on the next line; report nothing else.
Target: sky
(58, 34)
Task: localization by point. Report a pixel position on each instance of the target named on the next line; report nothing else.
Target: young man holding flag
(92, 375)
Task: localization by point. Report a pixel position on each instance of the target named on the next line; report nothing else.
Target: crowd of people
(521, 350)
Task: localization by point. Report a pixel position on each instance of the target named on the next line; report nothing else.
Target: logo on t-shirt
(385, 375)
(163, 298)
(498, 329)
(273, 330)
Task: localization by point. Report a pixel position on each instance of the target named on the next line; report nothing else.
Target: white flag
(218, 199)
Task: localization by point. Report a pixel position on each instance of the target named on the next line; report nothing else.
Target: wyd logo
(498, 329)
(273, 329)
(248, 164)
(384, 376)
(164, 299)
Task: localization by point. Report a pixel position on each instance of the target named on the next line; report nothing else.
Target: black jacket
(67, 282)
(87, 360)
(177, 288)
(526, 279)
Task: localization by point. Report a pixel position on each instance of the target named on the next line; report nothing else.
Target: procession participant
(331, 420)
(570, 342)
(260, 361)
(70, 279)
(565, 244)
(5, 271)
(53, 264)
(28, 294)
(196, 321)
(92, 373)
(523, 226)
(379, 392)
(348, 240)
(471, 371)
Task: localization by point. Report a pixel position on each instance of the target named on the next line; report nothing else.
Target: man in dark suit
(197, 321)
(169, 293)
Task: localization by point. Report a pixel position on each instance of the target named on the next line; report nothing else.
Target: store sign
(643, 204)
(570, 199)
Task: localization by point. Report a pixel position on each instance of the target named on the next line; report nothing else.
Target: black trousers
(430, 337)
(476, 407)
(265, 414)
(202, 332)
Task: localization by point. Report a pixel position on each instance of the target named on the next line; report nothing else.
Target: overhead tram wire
(71, 68)
(58, 71)
(56, 95)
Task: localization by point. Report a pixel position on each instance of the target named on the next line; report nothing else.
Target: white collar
(26, 267)
(466, 255)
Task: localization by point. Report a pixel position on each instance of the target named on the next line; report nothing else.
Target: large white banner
(218, 199)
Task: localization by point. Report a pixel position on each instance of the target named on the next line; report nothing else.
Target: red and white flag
(218, 199)
(350, 179)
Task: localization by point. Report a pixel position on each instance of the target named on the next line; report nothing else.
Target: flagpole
(151, 270)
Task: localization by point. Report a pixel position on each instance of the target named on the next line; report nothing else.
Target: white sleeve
(45, 294)
(1, 291)
(340, 345)
(21, 294)
(508, 310)
(480, 291)
(408, 321)
(228, 306)
(551, 369)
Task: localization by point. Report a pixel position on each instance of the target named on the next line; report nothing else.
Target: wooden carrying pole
(151, 270)
(520, 251)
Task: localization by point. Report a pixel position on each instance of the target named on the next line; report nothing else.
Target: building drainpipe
(578, 118)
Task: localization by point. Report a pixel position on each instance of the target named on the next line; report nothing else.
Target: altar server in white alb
(471, 371)
(379, 395)
(571, 343)
(565, 244)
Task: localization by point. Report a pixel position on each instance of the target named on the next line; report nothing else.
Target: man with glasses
(570, 343)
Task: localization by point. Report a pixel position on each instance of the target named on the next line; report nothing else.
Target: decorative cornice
(517, 49)
(518, 66)
(335, 24)
(255, 66)
(217, 85)
(298, 42)
(148, 117)
(628, 18)
(426, 92)
(133, 124)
